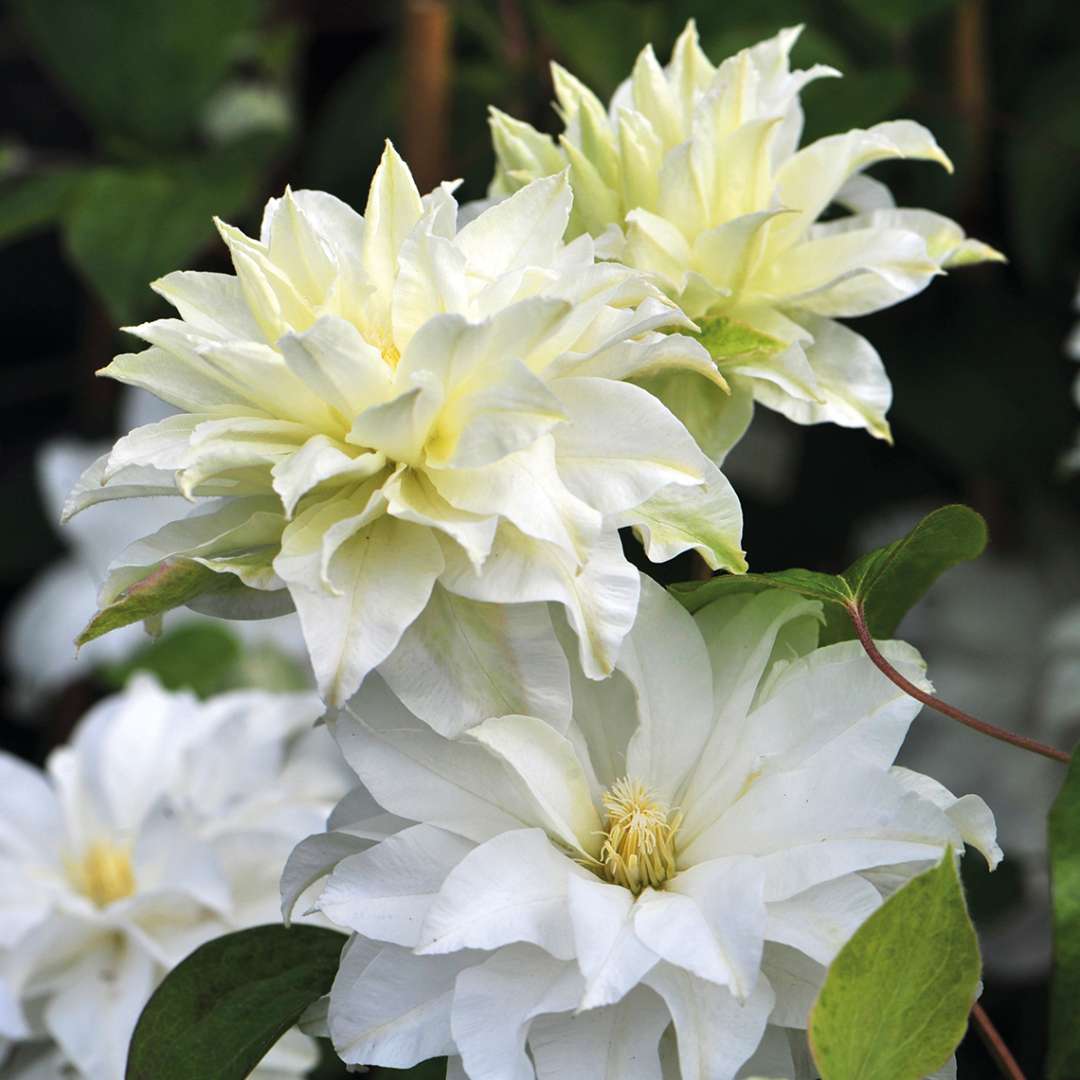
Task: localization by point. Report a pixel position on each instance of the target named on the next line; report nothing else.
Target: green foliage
(36, 201)
(126, 226)
(199, 658)
(884, 583)
(1064, 1060)
(896, 999)
(169, 585)
(220, 1010)
(138, 69)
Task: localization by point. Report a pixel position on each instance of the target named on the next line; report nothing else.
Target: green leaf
(127, 226)
(169, 585)
(220, 1010)
(889, 581)
(138, 69)
(885, 583)
(200, 657)
(1064, 1061)
(35, 201)
(896, 999)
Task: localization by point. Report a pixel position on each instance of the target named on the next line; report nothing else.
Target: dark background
(127, 123)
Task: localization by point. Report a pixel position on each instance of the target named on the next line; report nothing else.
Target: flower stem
(883, 665)
(995, 1044)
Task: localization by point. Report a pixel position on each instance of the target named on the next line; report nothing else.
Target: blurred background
(126, 124)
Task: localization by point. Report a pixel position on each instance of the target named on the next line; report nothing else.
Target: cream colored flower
(389, 405)
(694, 173)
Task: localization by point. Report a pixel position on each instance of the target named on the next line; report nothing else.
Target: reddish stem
(944, 707)
(995, 1044)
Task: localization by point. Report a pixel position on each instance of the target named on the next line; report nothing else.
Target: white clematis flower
(162, 825)
(694, 173)
(685, 857)
(387, 402)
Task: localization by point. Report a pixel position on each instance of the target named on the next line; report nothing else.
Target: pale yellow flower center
(639, 837)
(104, 874)
(391, 355)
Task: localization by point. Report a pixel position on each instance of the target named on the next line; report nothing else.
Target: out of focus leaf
(35, 201)
(125, 227)
(896, 999)
(899, 16)
(884, 583)
(219, 1012)
(1064, 1063)
(140, 69)
(199, 657)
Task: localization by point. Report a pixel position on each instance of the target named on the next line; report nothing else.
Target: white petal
(611, 956)
(715, 1033)
(600, 597)
(93, 1014)
(970, 814)
(616, 1043)
(320, 459)
(548, 768)
(820, 920)
(796, 980)
(511, 889)
(824, 821)
(728, 894)
(495, 1002)
(675, 716)
(312, 859)
(412, 771)
(743, 634)
(385, 892)
(30, 821)
(389, 1007)
(461, 662)
(430, 281)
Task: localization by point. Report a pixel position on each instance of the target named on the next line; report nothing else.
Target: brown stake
(428, 58)
(944, 707)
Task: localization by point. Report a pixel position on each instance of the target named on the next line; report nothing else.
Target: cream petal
(461, 662)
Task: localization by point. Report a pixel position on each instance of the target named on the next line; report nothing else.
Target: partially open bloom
(664, 880)
(162, 825)
(387, 402)
(694, 173)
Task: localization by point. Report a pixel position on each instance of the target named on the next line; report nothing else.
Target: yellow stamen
(105, 873)
(639, 837)
(391, 355)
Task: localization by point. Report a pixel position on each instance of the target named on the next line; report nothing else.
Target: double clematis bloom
(654, 890)
(377, 408)
(694, 173)
(162, 825)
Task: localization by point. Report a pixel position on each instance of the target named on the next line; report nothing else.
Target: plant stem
(944, 707)
(995, 1044)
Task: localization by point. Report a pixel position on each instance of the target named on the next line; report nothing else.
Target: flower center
(105, 873)
(391, 355)
(639, 837)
